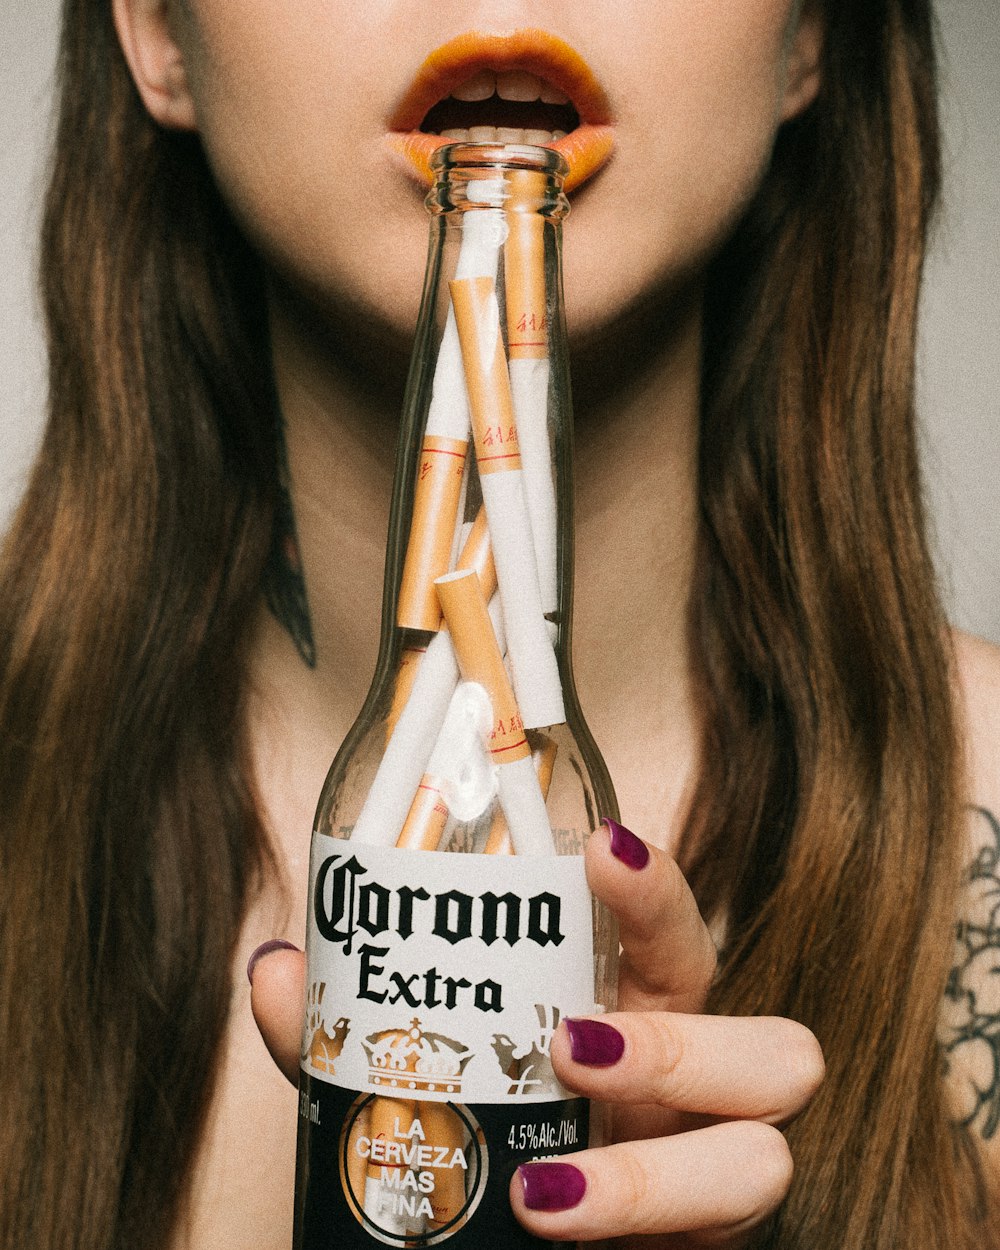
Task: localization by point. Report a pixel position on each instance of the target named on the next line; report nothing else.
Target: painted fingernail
(594, 1043)
(626, 846)
(265, 948)
(551, 1186)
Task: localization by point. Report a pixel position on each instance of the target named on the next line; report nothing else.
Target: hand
(697, 1155)
(698, 1100)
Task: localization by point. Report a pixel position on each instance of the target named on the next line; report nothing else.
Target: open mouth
(510, 106)
(528, 87)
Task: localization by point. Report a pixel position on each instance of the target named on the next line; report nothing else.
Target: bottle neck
(485, 450)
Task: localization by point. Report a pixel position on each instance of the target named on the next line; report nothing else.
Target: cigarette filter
(535, 671)
(438, 492)
(524, 268)
(432, 530)
(480, 660)
(477, 554)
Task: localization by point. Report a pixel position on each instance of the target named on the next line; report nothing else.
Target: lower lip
(585, 149)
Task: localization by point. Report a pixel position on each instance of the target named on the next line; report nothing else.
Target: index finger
(668, 956)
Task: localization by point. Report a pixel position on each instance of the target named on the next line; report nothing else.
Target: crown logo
(410, 1060)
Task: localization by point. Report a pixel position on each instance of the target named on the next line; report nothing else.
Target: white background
(960, 358)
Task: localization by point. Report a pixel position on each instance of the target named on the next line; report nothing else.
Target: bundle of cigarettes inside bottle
(478, 678)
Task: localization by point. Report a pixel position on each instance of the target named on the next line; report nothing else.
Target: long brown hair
(130, 843)
(828, 813)
(828, 822)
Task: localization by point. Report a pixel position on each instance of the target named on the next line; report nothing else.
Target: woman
(233, 230)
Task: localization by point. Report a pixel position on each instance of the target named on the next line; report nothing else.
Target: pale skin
(291, 102)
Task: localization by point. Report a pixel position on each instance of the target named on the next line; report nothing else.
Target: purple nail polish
(551, 1186)
(275, 944)
(594, 1043)
(626, 846)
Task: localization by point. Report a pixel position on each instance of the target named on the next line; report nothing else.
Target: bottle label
(436, 981)
(435, 975)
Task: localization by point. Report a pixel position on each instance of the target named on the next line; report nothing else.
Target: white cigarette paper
(528, 348)
(408, 749)
(524, 808)
(529, 388)
(535, 672)
(483, 234)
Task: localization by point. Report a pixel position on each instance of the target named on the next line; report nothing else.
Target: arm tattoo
(284, 585)
(970, 1030)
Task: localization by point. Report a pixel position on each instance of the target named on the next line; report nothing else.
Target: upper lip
(534, 51)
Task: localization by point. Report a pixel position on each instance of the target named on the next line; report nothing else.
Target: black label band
(377, 1171)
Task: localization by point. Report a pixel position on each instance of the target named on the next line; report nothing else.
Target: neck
(635, 528)
(636, 520)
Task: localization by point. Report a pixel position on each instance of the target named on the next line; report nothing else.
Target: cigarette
(448, 1197)
(439, 489)
(386, 1115)
(408, 750)
(533, 660)
(528, 351)
(498, 841)
(480, 660)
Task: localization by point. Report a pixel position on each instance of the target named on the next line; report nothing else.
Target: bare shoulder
(970, 1023)
(978, 673)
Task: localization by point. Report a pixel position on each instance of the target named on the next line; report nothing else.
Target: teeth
(480, 87)
(503, 134)
(515, 84)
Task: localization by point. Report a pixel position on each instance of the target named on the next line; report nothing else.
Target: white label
(443, 976)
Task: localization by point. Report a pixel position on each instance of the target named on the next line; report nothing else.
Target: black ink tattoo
(284, 585)
(970, 1026)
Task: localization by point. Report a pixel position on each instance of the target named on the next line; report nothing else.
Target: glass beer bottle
(450, 926)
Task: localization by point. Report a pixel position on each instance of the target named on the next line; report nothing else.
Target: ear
(156, 61)
(805, 55)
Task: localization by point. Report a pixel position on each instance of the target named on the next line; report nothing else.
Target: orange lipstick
(586, 148)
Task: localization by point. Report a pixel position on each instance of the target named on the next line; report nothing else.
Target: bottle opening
(499, 156)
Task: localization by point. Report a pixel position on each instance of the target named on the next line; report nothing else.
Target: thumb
(277, 972)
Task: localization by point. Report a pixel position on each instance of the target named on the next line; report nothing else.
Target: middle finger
(748, 1067)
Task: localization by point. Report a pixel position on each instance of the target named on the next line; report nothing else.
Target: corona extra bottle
(450, 925)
